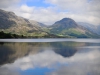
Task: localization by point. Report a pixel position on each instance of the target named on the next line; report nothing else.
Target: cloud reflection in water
(85, 61)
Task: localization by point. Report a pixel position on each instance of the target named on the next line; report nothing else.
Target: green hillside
(13, 26)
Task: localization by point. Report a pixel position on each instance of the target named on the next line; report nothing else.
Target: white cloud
(26, 9)
(7, 3)
(79, 10)
(68, 4)
(88, 11)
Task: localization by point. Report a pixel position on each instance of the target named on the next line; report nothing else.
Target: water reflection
(55, 58)
(9, 52)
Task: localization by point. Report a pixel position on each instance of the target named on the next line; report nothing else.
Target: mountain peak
(13, 23)
(66, 19)
(65, 23)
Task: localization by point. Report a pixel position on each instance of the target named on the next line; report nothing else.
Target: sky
(50, 11)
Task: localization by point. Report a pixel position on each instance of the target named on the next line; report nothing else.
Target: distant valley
(65, 28)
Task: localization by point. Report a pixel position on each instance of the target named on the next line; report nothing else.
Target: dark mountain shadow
(9, 52)
(66, 52)
(1, 43)
(65, 49)
(4, 54)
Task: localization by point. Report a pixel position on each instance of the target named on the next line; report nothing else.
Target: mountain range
(91, 27)
(66, 27)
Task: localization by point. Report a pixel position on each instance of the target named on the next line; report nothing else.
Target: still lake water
(49, 56)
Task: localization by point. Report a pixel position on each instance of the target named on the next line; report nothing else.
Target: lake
(50, 56)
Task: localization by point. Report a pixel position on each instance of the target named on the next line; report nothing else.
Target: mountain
(98, 29)
(91, 27)
(11, 23)
(8, 20)
(68, 27)
(37, 23)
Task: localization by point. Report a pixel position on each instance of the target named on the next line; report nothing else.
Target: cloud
(79, 10)
(26, 9)
(86, 10)
(7, 3)
(6, 71)
(68, 4)
(45, 15)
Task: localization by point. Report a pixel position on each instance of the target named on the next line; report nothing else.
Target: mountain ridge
(69, 27)
(90, 27)
(9, 22)
(66, 27)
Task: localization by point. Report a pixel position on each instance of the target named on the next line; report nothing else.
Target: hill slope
(11, 23)
(68, 27)
(91, 27)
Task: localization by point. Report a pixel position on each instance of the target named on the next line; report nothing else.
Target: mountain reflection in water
(50, 58)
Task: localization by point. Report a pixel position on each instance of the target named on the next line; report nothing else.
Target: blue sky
(37, 3)
(49, 11)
